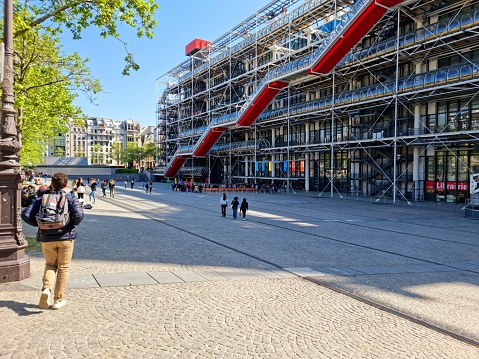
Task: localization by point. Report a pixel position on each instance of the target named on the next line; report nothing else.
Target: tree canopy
(47, 80)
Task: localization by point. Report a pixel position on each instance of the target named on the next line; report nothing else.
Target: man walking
(57, 244)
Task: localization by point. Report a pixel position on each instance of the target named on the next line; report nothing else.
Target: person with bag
(223, 204)
(234, 207)
(56, 215)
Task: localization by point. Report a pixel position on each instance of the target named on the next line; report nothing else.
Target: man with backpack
(55, 214)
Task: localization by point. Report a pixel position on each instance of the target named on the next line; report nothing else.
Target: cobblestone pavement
(241, 288)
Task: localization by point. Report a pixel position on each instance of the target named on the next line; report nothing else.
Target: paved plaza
(163, 275)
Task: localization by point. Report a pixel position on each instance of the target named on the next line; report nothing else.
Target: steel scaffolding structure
(372, 98)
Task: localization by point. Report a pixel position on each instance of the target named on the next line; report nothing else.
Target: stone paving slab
(82, 281)
(189, 276)
(305, 272)
(123, 279)
(239, 273)
(211, 275)
(165, 277)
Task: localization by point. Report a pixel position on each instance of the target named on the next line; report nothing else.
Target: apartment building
(95, 140)
(367, 98)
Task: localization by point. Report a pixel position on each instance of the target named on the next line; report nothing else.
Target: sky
(179, 22)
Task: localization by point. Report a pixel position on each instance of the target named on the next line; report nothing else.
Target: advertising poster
(474, 183)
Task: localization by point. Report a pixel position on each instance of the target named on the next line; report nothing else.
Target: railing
(234, 146)
(442, 28)
(417, 82)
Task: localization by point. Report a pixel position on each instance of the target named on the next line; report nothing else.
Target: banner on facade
(285, 166)
(474, 180)
(293, 166)
(270, 166)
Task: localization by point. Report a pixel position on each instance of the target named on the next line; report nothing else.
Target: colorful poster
(301, 166)
(270, 166)
(285, 166)
(293, 166)
(474, 182)
(263, 166)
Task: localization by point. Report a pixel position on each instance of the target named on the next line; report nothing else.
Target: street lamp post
(14, 263)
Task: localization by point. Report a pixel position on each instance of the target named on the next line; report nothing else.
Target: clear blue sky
(179, 22)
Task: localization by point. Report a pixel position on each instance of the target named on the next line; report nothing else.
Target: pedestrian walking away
(132, 183)
(150, 186)
(146, 187)
(126, 182)
(93, 186)
(103, 186)
(80, 188)
(244, 208)
(234, 207)
(111, 186)
(223, 204)
(57, 244)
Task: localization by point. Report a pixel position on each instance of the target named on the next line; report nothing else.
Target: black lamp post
(14, 264)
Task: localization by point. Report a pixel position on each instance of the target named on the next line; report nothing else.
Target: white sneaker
(45, 298)
(59, 304)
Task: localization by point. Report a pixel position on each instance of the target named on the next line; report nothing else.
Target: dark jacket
(234, 203)
(66, 233)
(244, 206)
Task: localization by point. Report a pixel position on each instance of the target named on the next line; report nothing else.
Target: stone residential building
(95, 141)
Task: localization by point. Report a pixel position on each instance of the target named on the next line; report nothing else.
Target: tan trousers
(58, 256)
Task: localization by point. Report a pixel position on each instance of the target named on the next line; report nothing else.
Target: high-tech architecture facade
(371, 98)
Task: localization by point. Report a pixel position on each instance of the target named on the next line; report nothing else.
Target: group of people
(243, 207)
(78, 188)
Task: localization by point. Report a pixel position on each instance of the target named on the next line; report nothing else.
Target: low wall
(78, 171)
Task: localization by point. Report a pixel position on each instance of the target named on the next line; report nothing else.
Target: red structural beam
(365, 21)
(209, 141)
(263, 100)
(175, 167)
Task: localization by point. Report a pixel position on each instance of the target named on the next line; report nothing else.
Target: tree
(117, 152)
(44, 84)
(47, 81)
(77, 15)
(96, 156)
(150, 152)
